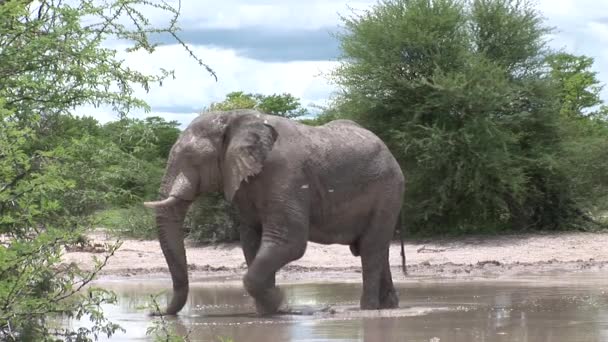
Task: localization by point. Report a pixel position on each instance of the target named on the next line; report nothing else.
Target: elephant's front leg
(280, 244)
(251, 238)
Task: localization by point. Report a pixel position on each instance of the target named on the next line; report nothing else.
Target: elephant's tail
(401, 234)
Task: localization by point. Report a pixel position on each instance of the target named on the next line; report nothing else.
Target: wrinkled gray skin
(291, 183)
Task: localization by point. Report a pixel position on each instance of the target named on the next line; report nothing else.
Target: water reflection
(431, 311)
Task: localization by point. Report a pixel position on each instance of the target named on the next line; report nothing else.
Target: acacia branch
(14, 181)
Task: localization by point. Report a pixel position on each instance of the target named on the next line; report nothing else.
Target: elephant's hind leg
(378, 290)
(388, 295)
(371, 261)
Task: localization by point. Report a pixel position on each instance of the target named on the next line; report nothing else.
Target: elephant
(290, 183)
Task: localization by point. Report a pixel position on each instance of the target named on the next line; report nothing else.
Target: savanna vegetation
(494, 130)
(57, 169)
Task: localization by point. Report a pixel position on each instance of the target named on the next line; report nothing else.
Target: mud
(467, 258)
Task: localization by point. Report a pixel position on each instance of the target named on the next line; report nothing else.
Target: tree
(148, 139)
(460, 92)
(166, 133)
(52, 60)
(584, 130)
(235, 100)
(285, 105)
(579, 88)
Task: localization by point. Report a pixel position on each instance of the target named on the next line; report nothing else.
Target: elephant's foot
(269, 302)
(367, 303)
(390, 300)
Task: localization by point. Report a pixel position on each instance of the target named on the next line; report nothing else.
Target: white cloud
(581, 29)
(286, 14)
(194, 88)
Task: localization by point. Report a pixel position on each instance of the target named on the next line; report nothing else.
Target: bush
(136, 222)
(463, 94)
(212, 219)
(52, 174)
(35, 228)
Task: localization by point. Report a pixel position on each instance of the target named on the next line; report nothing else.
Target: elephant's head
(215, 153)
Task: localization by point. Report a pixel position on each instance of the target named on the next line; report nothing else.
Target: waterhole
(550, 308)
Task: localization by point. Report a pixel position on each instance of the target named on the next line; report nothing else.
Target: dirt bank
(504, 256)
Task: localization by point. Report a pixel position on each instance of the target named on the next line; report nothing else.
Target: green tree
(285, 105)
(460, 92)
(235, 100)
(579, 88)
(53, 58)
(34, 286)
(166, 133)
(147, 139)
(584, 131)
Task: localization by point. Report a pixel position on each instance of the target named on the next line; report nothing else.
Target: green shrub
(467, 96)
(56, 170)
(136, 222)
(212, 219)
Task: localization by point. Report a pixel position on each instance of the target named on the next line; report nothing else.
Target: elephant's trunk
(169, 220)
(170, 215)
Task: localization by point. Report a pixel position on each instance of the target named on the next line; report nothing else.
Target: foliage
(212, 219)
(144, 147)
(162, 330)
(35, 225)
(35, 288)
(584, 131)
(56, 169)
(285, 105)
(135, 221)
(461, 93)
(579, 88)
(147, 139)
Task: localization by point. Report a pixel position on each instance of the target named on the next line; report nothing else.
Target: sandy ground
(471, 257)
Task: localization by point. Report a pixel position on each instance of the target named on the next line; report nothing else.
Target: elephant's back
(340, 149)
(345, 170)
(346, 143)
(351, 174)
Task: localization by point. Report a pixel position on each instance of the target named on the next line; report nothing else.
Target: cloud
(193, 88)
(272, 46)
(581, 28)
(264, 44)
(278, 14)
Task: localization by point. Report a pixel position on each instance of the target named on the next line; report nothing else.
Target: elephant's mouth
(168, 202)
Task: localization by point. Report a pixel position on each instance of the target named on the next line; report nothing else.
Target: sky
(278, 46)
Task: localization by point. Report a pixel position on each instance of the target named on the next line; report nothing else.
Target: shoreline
(477, 257)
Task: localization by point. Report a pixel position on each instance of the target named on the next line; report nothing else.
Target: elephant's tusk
(169, 201)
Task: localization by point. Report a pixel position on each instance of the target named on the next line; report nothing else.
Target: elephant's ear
(249, 142)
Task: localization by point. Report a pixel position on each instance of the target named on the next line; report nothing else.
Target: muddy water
(550, 308)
